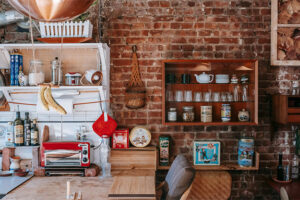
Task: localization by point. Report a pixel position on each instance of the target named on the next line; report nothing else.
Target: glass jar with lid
(36, 73)
(172, 115)
(188, 114)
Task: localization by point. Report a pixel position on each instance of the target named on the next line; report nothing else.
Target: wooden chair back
(209, 185)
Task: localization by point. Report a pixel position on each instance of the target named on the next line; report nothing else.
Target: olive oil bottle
(27, 129)
(34, 134)
(18, 130)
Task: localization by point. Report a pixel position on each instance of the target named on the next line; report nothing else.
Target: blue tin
(12, 69)
(246, 152)
(18, 67)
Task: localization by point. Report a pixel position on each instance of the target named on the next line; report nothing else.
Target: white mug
(94, 77)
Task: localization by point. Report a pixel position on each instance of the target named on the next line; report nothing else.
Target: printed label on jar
(172, 116)
(225, 113)
(206, 113)
(19, 139)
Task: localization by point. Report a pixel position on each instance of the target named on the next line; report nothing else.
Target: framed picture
(206, 153)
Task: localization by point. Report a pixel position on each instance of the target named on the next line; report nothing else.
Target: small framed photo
(206, 152)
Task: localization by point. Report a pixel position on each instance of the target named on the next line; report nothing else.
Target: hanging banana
(52, 103)
(42, 97)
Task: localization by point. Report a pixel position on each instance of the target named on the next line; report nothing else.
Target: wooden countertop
(52, 188)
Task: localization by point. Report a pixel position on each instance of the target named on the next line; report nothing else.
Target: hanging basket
(135, 94)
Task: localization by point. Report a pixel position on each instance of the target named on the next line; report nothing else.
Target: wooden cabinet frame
(253, 108)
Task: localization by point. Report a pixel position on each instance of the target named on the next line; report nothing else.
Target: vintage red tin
(120, 139)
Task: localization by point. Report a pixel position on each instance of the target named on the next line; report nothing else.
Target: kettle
(204, 78)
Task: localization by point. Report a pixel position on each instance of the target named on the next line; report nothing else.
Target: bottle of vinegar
(18, 130)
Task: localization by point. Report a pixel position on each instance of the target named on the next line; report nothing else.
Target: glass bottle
(104, 157)
(36, 73)
(188, 114)
(34, 134)
(10, 141)
(172, 115)
(280, 176)
(295, 168)
(298, 142)
(27, 124)
(18, 130)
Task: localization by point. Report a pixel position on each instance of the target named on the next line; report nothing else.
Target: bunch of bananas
(47, 100)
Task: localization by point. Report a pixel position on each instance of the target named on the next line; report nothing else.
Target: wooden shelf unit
(286, 109)
(223, 167)
(230, 67)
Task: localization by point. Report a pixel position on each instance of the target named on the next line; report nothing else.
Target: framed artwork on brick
(206, 152)
(285, 33)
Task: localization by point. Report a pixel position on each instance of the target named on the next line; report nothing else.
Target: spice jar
(72, 78)
(172, 115)
(188, 114)
(36, 73)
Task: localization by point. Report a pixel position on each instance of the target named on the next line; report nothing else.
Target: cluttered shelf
(223, 167)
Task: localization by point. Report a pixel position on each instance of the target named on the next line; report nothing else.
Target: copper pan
(51, 10)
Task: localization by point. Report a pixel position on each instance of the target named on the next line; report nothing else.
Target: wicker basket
(135, 94)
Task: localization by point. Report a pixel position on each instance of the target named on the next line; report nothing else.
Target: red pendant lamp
(51, 10)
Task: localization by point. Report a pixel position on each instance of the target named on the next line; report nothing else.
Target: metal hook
(134, 48)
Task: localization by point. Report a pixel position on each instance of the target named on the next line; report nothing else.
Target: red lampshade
(51, 10)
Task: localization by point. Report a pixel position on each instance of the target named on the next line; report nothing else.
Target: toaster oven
(65, 154)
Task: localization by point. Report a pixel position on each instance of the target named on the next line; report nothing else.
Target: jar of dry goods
(188, 114)
(172, 115)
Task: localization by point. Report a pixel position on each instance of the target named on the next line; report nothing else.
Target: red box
(120, 139)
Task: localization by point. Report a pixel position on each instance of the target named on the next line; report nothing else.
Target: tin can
(164, 150)
(12, 69)
(18, 67)
(226, 112)
(246, 152)
(206, 114)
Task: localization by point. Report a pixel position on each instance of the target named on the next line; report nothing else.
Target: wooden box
(286, 109)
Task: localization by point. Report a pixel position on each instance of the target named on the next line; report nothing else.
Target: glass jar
(188, 114)
(172, 115)
(36, 73)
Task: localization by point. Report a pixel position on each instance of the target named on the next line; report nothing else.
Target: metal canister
(56, 72)
(246, 152)
(206, 113)
(226, 112)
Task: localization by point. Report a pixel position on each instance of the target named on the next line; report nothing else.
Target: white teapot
(204, 78)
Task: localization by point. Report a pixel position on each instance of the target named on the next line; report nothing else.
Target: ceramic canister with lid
(72, 78)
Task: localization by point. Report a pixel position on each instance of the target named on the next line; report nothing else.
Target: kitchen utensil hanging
(135, 94)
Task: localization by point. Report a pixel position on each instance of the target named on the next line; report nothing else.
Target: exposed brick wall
(194, 29)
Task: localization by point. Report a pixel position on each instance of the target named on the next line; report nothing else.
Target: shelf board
(226, 167)
(207, 84)
(49, 46)
(55, 88)
(148, 148)
(204, 102)
(210, 123)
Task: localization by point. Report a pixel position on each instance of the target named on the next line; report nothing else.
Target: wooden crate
(134, 158)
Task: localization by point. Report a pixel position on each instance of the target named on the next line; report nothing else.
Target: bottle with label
(295, 168)
(280, 176)
(34, 134)
(298, 142)
(27, 129)
(18, 130)
(9, 137)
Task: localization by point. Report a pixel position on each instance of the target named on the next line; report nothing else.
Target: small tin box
(120, 139)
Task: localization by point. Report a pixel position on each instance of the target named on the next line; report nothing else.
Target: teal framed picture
(206, 152)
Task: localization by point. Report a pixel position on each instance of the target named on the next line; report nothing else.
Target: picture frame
(206, 152)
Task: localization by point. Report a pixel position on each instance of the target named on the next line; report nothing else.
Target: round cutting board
(140, 136)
